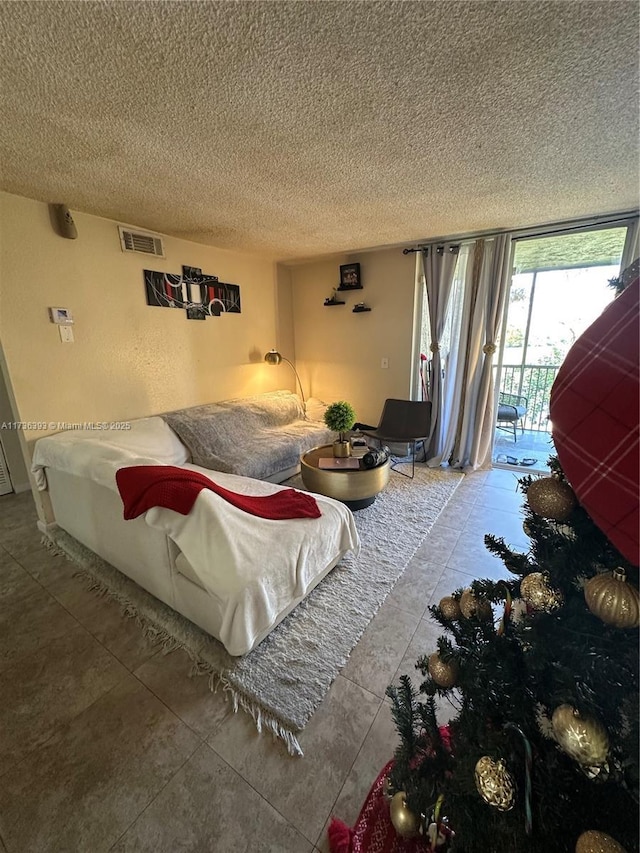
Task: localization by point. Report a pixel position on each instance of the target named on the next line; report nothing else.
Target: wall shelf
(342, 288)
(360, 310)
(330, 302)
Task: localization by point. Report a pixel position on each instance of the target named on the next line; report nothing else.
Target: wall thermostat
(61, 316)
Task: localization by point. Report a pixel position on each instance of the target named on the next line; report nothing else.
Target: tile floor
(106, 744)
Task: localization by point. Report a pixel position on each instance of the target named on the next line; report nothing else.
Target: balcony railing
(534, 381)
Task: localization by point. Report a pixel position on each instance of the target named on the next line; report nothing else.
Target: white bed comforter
(254, 567)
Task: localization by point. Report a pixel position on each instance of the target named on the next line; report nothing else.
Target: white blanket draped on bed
(252, 567)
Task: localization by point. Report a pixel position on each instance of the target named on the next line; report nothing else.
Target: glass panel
(564, 251)
(559, 287)
(566, 302)
(519, 302)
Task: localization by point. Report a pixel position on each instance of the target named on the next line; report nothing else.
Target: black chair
(511, 410)
(402, 422)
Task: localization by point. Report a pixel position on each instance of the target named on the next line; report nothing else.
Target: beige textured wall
(128, 360)
(338, 353)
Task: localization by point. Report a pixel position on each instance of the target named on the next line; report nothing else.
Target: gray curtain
(439, 263)
(489, 279)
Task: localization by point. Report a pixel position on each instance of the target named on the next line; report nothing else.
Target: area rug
(286, 677)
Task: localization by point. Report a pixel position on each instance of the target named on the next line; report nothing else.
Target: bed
(234, 575)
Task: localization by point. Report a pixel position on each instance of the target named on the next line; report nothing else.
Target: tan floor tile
(22, 539)
(212, 809)
(49, 688)
(86, 785)
(472, 558)
(439, 543)
(15, 582)
(102, 616)
(415, 586)
(450, 581)
(376, 751)
(17, 510)
(455, 513)
(46, 567)
(502, 499)
(502, 478)
(30, 623)
(304, 789)
(380, 649)
(422, 643)
(188, 697)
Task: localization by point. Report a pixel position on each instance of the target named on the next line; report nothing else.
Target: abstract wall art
(200, 294)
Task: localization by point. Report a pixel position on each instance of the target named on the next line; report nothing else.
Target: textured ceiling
(301, 128)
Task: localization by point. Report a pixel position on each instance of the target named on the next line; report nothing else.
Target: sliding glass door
(560, 285)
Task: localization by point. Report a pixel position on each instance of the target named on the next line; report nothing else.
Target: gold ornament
(535, 590)
(445, 674)
(583, 738)
(472, 605)
(597, 842)
(612, 599)
(450, 608)
(404, 821)
(494, 783)
(387, 789)
(551, 498)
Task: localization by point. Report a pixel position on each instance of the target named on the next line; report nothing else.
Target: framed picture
(350, 276)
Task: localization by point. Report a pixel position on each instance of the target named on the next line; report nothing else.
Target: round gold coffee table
(355, 487)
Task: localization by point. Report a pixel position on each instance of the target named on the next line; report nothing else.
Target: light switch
(66, 334)
(384, 364)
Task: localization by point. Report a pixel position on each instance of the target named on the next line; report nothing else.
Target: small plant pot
(341, 449)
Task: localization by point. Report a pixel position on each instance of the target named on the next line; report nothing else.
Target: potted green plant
(340, 417)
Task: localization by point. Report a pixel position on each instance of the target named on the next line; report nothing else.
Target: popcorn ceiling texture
(301, 128)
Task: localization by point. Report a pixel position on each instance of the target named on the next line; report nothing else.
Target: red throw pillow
(594, 411)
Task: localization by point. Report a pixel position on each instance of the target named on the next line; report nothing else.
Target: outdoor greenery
(536, 387)
(565, 251)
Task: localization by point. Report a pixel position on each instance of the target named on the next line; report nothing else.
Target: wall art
(192, 289)
(350, 277)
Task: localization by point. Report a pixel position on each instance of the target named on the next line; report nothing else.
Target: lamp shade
(273, 357)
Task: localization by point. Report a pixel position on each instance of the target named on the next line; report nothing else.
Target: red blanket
(144, 486)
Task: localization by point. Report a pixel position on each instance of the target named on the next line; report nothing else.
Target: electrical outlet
(384, 363)
(66, 334)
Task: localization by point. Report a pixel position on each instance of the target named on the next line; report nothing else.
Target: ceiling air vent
(138, 241)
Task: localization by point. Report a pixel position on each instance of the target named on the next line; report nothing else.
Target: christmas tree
(542, 754)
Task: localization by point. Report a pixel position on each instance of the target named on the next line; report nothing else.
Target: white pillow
(315, 409)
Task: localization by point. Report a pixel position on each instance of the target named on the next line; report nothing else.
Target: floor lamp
(274, 357)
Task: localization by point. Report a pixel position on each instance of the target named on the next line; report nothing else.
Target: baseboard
(21, 487)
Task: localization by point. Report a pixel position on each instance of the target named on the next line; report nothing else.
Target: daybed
(233, 574)
(262, 436)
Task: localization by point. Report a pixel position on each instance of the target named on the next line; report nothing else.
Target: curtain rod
(584, 224)
(454, 249)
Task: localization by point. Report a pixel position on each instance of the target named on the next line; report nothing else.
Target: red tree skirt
(373, 832)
